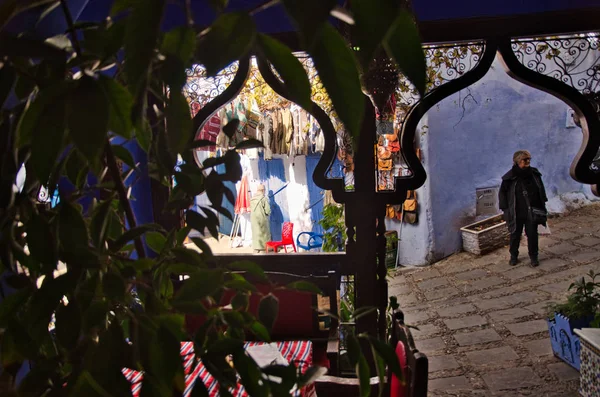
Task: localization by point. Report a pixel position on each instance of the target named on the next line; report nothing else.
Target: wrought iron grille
(200, 89)
(445, 63)
(574, 60)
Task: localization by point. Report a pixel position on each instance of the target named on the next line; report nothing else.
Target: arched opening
(294, 144)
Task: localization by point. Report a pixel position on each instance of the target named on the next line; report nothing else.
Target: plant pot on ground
(486, 235)
(581, 310)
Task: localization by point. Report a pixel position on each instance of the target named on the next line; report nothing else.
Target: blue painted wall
(468, 141)
(272, 173)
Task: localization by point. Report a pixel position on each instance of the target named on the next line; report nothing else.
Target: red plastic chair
(287, 238)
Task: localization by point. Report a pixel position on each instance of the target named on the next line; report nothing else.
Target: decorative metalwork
(445, 63)
(573, 60)
(43, 195)
(562, 88)
(200, 89)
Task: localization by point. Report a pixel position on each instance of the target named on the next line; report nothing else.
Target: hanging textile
(265, 134)
(385, 180)
(253, 116)
(411, 207)
(222, 139)
(210, 130)
(288, 130)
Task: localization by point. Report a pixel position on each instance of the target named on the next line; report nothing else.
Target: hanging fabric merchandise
(288, 130)
(393, 145)
(253, 116)
(390, 211)
(304, 132)
(386, 180)
(239, 112)
(398, 210)
(210, 131)
(319, 137)
(297, 141)
(277, 131)
(195, 108)
(222, 138)
(411, 207)
(280, 133)
(267, 135)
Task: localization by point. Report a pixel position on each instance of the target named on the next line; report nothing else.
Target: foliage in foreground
(583, 302)
(71, 105)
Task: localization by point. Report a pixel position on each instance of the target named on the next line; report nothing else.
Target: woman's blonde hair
(520, 155)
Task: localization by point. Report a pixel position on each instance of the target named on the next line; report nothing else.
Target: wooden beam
(526, 25)
(301, 263)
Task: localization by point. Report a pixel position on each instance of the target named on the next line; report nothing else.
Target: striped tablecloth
(297, 352)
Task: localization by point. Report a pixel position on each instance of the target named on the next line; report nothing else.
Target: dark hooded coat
(510, 196)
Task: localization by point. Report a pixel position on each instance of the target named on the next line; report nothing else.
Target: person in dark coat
(522, 177)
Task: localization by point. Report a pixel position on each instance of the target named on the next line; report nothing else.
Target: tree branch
(263, 6)
(69, 18)
(113, 169)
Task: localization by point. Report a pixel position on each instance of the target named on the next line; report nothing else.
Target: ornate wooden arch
(590, 123)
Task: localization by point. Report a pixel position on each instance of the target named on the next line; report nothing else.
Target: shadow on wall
(276, 218)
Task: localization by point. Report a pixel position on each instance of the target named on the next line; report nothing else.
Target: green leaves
(404, 45)
(120, 106)
(358, 361)
(68, 324)
(124, 155)
(310, 16)
(230, 37)
(156, 241)
(200, 285)
(200, 222)
(132, 234)
(304, 286)
(141, 37)
(72, 229)
(289, 68)
(41, 242)
(336, 65)
(179, 123)
(181, 43)
(88, 118)
(268, 308)
(387, 353)
(113, 286)
(43, 126)
(373, 21)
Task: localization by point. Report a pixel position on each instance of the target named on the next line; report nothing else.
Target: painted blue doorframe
(315, 193)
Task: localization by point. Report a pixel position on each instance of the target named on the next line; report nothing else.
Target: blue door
(226, 224)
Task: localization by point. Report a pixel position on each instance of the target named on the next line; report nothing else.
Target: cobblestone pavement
(482, 322)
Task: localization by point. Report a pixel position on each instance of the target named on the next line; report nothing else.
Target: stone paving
(481, 322)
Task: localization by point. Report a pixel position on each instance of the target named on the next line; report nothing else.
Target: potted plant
(581, 310)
